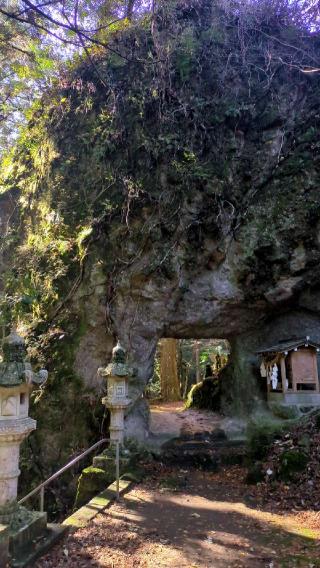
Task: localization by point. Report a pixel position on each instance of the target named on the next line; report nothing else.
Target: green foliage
(292, 462)
(138, 154)
(260, 437)
(153, 389)
(27, 68)
(285, 412)
(185, 54)
(317, 421)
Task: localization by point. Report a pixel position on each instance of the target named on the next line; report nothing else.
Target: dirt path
(172, 420)
(179, 519)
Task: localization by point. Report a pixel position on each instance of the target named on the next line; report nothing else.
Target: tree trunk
(170, 386)
(197, 360)
(130, 6)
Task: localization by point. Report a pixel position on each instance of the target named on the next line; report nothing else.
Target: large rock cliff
(170, 189)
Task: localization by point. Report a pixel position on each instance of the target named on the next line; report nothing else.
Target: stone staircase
(205, 450)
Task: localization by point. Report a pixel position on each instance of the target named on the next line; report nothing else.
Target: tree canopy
(40, 40)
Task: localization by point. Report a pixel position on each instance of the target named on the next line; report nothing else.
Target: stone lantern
(117, 374)
(16, 382)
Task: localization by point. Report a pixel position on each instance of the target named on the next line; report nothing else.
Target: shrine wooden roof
(289, 345)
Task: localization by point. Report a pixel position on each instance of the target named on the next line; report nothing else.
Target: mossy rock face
(93, 480)
(102, 473)
(136, 451)
(317, 421)
(107, 463)
(285, 412)
(218, 197)
(292, 462)
(172, 483)
(206, 395)
(131, 454)
(260, 438)
(135, 474)
(304, 443)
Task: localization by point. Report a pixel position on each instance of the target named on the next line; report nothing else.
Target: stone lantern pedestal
(19, 527)
(12, 433)
(16, 382)
(117, 374)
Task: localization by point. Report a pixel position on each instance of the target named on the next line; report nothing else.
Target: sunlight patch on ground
(286, 523)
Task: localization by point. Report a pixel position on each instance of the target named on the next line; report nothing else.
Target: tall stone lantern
(16, 382)
(117, 374)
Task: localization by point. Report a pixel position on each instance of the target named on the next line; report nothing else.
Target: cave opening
(187, 374)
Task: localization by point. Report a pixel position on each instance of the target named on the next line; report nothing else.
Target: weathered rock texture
(177, 198)
(8, 208)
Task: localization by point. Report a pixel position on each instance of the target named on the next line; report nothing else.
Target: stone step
(204, 450)
(199, 445)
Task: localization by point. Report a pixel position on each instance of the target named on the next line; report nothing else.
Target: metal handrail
(41, 486)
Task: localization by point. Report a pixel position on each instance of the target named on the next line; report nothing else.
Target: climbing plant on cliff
(178, 112)
(149, 165)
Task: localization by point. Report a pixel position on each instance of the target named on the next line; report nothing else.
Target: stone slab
(85, 514)
(4, 545)
(107, 463)
(27, 555)
(33, 528)
(301, 398)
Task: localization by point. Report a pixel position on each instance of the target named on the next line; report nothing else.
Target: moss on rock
(92, 480)
(206, 395)
(260, 437)
(285, 412)
(184, 163)
(292, 462)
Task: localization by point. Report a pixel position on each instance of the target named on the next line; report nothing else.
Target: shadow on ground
(184, 519)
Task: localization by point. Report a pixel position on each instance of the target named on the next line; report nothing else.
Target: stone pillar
(16, 382)
(4, 545)
(12, 433)
(117, 374)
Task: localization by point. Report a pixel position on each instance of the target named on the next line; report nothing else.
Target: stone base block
(26, 538)
(4, 545)
(26, 527)
(27, 555)
(300, 398)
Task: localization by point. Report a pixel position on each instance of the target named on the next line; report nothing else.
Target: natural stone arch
(154, 309)
(202, 226)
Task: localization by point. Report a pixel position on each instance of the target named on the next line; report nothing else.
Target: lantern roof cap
(13, 339)
(118, 354)
(13, 366)
(15, 369)
(118, 366)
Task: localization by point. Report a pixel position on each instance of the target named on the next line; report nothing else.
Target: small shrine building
(290, 369)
